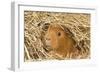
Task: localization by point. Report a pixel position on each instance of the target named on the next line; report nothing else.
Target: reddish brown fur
(58, 39)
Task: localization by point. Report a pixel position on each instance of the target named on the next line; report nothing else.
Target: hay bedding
(36, 24)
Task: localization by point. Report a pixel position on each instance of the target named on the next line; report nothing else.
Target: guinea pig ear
(67, 31)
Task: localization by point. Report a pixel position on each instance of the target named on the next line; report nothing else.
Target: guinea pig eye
(59, 34)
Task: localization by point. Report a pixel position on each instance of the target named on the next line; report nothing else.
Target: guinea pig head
(59, 39)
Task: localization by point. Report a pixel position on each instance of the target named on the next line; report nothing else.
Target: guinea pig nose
(48, 39)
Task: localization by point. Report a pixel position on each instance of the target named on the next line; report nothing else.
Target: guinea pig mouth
(48, 45)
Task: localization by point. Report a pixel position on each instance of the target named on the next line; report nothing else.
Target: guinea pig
(59, 38)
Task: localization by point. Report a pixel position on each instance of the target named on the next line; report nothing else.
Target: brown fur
(59, 38)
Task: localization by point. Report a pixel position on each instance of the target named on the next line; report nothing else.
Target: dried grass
(35, 29)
